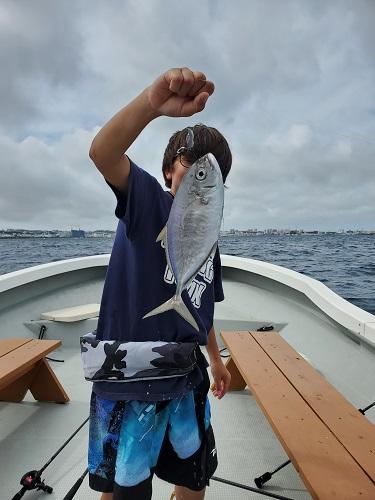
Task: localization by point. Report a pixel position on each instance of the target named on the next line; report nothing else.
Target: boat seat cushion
(71, 314)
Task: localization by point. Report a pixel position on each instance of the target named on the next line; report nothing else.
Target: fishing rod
(259, 481)
(32, 479)
(75, 487)
(249, 488)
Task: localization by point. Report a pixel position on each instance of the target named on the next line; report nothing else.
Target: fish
(192, 231)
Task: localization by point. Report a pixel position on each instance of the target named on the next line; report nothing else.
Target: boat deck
(31, 432)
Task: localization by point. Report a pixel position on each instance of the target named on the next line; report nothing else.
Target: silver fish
(192, 230)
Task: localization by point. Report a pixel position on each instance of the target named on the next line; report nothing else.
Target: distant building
(78, 233)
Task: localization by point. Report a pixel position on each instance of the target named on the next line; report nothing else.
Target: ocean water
(345, 263)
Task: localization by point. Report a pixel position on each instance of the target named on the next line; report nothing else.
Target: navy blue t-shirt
(138, 279)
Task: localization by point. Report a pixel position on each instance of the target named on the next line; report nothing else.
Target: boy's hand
(222, 378)
(179, 92)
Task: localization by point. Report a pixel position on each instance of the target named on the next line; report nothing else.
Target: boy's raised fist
(179, 92)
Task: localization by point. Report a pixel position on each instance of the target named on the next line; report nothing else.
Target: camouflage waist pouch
(114, 361)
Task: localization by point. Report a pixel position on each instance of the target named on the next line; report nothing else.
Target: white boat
(336, 337)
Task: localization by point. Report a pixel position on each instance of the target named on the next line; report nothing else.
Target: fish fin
(162, 234)
(178, 305)
(183, 311)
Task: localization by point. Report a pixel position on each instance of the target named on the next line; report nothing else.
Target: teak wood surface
(23, 367)
(330, 443)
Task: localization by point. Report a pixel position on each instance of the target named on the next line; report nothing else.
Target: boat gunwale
(351, 317)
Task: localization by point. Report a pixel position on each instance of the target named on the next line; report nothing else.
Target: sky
(294, 97)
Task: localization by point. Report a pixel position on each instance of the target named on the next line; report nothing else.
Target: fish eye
(201, 174)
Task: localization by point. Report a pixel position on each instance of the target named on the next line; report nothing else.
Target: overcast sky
(295, 89)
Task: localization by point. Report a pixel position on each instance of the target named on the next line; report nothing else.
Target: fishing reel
(31, 481)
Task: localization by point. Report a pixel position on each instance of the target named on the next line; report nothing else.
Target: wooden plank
(46, 386)
(14, 389)
(8, 345)
(18, 362)
(327, 469)
(237, 383)
(351, 428)
(40, 380)
(23, 367)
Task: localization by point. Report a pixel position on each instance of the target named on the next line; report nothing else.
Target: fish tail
(178, 305)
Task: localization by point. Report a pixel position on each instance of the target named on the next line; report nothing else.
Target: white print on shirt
(195, 291)
(196, 287)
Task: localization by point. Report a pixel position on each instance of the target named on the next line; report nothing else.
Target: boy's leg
(106, 496)
(105, 423)
(194, 471)
(183, 493)
(109, 446)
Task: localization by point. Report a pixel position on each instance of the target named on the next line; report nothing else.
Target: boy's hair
(206, 140)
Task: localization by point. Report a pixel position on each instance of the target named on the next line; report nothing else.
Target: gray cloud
(294, 97)
(41, 54)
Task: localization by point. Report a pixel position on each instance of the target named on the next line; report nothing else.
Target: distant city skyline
(232, 230)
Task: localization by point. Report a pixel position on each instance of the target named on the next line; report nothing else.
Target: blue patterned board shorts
(129, 441)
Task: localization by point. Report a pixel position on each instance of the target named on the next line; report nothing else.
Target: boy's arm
(177, 92)
(212, 347)
(109, 145)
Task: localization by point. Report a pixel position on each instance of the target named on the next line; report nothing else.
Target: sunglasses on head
(184, 153)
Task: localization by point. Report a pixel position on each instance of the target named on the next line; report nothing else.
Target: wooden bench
(330, 443)
(23, 366)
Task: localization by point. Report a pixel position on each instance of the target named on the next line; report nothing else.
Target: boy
(162, 425)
